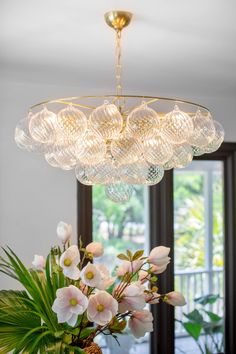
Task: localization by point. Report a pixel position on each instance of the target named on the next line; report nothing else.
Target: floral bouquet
(69, 299)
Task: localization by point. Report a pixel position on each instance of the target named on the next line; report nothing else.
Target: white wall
(35, 196)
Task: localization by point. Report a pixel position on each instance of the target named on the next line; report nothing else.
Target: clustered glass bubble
(117, 149)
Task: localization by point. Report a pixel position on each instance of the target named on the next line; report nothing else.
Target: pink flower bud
(64, 232)
(95, 248)
(159, 256)
(175, 298)
(39, 262)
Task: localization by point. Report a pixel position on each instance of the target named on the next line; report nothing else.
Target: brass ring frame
(151, 99)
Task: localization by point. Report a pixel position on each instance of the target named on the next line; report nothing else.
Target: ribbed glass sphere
(154, 175)
(177, 126)
(72, 122)
(198, 151)
(107, 121)
(157, 150)
(204, 130)
(217, 140)
(119, 192)
(91, 149)
(133, 173)
(50, 157)
(103, 173)
(23, 138)
(64, 153)
(84, 174)
(42, 126)
(183, 155)
(141, 173)
(125, 150)
(142, 122)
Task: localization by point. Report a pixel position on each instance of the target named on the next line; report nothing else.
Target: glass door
(199, 257)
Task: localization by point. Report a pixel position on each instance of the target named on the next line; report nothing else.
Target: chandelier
(118, 140)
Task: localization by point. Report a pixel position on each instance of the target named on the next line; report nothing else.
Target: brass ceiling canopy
(119, 140)
(118, 19)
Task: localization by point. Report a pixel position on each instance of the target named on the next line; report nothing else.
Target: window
(199, 244)
(161, 210)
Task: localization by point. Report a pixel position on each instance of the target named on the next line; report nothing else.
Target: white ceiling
(180, 48)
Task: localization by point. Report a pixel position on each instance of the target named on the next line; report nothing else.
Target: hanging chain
(118, 64)
(120, 101)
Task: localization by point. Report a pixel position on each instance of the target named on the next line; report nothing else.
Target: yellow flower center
(100, 308)
(89, 275)
(73, 302)
(67, 262)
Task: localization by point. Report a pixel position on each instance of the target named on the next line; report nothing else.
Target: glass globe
(107, 121)
(154, 175)
(119, 192)
(133, 173)
(72, 122)
(23, 138)
(142, 122)
(183, 155)
(198, 151)
(42, 126)
(217, 140)
(91, 149)
(84, 174)
(157, 150)
(204, 130)
(172, 163)
(64, 154)
(125, 150)
(141, 173)
(177, 126)
(51, 159)
(102, 174)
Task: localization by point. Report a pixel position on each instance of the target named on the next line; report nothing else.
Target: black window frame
(162, 232)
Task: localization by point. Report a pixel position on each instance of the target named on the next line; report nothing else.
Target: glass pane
(120, 227)
(199, 261)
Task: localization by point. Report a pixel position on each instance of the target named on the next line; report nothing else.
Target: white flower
(129, 267)
(39, 262)
(102, 308)
(90, 275)
(106, 279)
(64, 231)
(69, 261)
(95, 248)
(69, 303)
(175, 298)
(140, 323)
(159, 256)
(132, 298)
(159, 269)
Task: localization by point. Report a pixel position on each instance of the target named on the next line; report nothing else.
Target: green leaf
(207, 299)
(123, 257)
(194, 316)
(129, 254)
(86, 332)
(213, 316)
(137, 255)
(193, 329)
